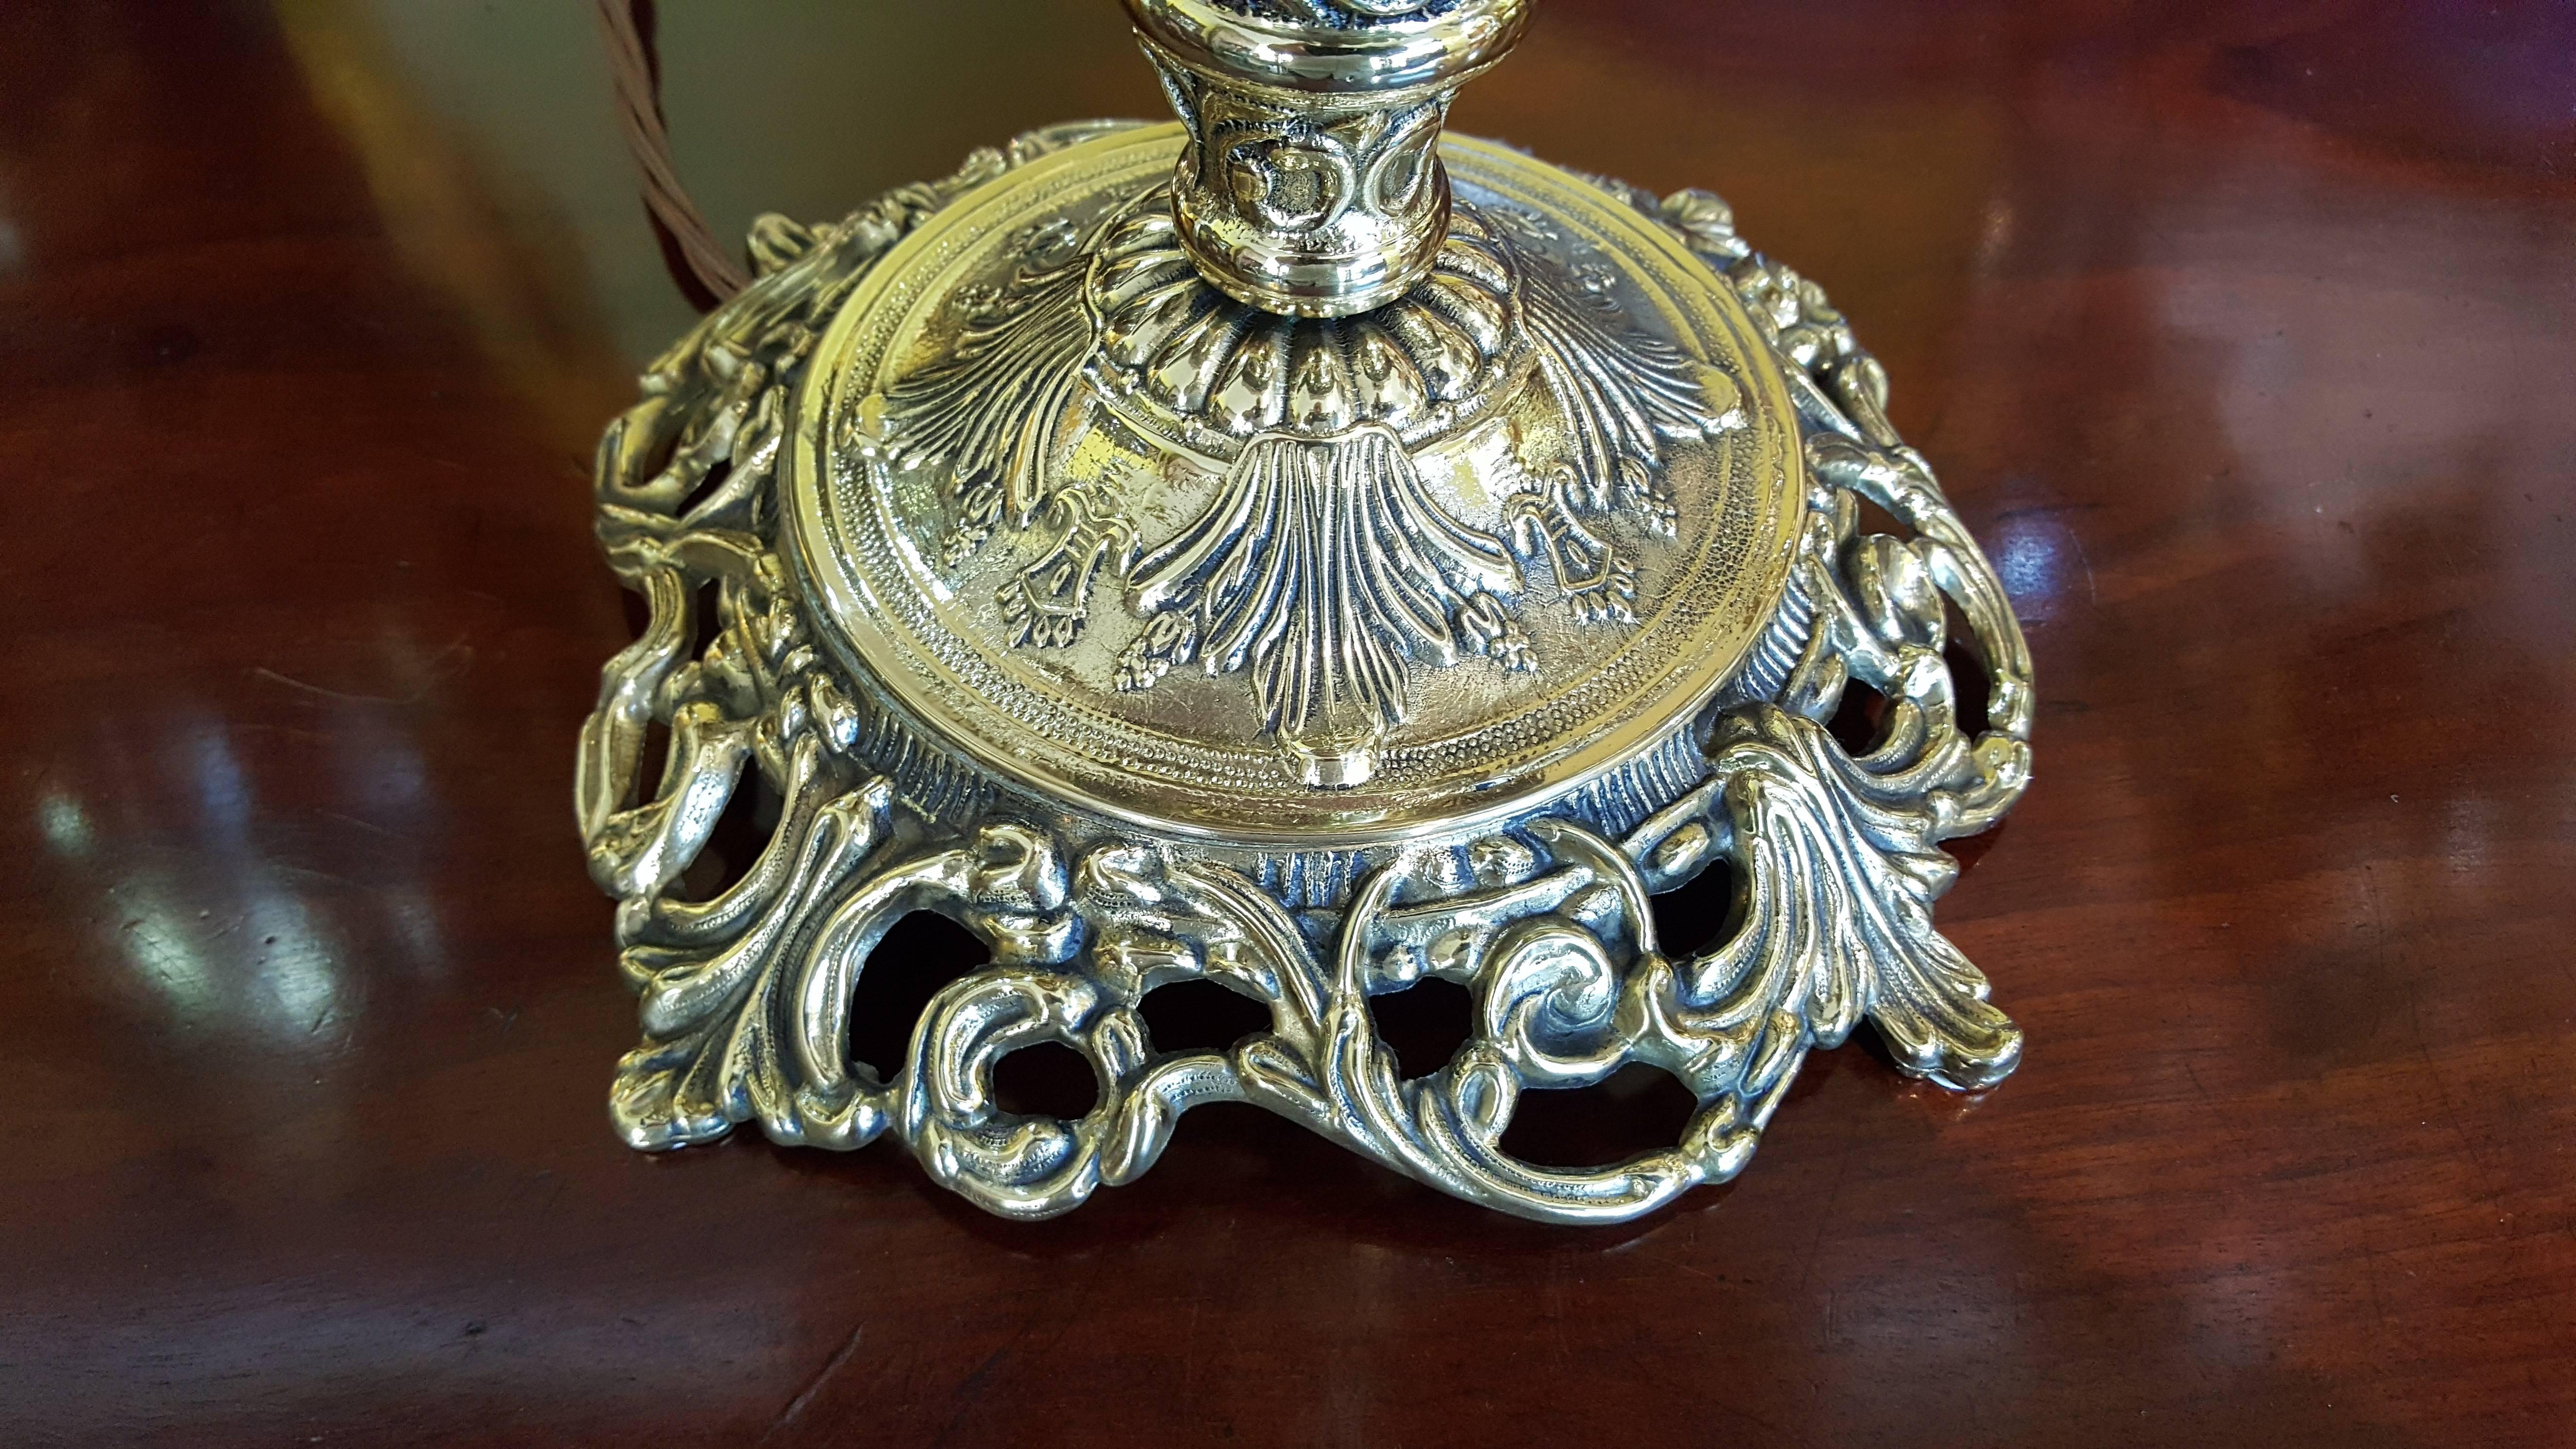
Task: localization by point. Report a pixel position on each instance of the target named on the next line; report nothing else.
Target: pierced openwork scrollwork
(746, 996)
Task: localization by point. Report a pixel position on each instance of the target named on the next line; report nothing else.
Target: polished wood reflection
(2243, 334)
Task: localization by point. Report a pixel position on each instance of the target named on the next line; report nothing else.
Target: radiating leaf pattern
(1625, 393)
(989, 410)
(1322, 568)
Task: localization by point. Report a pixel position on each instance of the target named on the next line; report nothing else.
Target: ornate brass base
(871, 573)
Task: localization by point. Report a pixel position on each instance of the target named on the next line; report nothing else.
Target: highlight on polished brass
(1298, 550)
(1311, 181)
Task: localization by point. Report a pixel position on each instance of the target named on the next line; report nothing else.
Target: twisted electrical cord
(688, 243)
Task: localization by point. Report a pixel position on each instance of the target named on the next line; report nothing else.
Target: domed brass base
(1275, 586)
(1154, 638)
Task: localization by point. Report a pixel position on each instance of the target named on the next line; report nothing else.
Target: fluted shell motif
(1217, 373)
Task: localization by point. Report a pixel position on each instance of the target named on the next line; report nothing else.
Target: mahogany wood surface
(2244, 335)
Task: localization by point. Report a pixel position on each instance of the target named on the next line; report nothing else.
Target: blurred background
(1879, 147)
(2241, 330)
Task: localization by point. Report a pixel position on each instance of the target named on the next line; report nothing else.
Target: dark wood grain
(2244, 335)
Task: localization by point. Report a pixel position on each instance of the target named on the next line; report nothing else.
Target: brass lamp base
(1061, 589)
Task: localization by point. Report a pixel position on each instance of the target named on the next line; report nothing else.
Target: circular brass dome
(1312, 585)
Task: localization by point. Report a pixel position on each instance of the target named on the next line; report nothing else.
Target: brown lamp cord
(689, 245)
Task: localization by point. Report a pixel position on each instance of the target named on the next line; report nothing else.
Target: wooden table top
(2243, 335)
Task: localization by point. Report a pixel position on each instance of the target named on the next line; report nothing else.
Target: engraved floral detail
(1485, 628)
(1599, 582)
(1321, 568)
(1045, 604)
(745, 999)
(1324, 569)
(1200, 361)
(995, 440)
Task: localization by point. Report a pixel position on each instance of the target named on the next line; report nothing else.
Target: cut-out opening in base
(1874, 519)
(706, 620)
(1200, 1016)
(1699, 915)
(638, 611)
(916, 959)
(715, 479)
(1970, 683)
(1860, 723)
(1047, 1079)
(1637, 1110)
(1424, 1024)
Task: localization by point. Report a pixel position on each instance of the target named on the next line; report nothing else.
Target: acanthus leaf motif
(990, 408)
(1324, 569)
